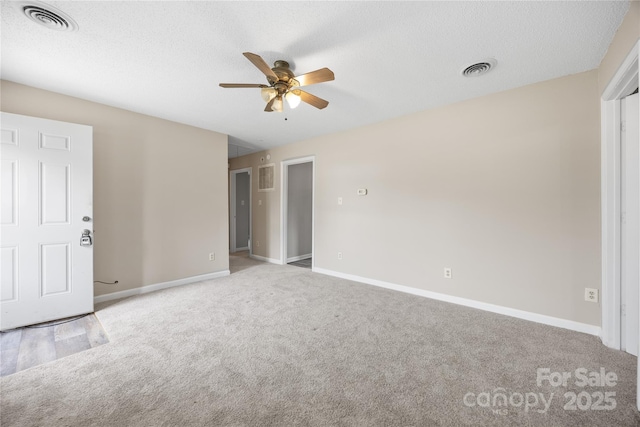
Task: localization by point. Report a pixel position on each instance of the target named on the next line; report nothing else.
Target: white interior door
(630, 225)
(47, 191)
(240, 203)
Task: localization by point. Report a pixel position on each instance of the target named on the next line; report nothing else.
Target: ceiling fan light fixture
(268, 93)
(277, 105)
(293, 99)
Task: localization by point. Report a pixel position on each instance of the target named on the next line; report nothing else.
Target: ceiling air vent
(480, 68)
(48, 16)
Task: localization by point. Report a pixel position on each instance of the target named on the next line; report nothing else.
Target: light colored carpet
(282, 346)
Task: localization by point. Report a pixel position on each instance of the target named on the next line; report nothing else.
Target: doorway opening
(623, 83)
(240, 215)
(298, 188)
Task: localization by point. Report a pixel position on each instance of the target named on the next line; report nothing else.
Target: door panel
(46, 191)
(54, 193)
(9, 265)
(54, 142)
(9, 214)
(55, 266)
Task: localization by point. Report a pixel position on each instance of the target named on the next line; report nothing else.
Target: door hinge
(623, 126)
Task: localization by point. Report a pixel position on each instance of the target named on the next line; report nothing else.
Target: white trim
(265, 259)
(232, 211)
(232, 205)
(159, 286)
(283, 204)
(624, 81)
(610, 213)
(298, 258)
(520, 314)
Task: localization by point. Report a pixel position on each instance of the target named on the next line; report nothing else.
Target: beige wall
(626, 37)
(504, 189)
(160, 190)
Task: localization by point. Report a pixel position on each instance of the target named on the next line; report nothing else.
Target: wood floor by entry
(31, 346)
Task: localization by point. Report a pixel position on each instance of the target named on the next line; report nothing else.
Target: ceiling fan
(283, 84)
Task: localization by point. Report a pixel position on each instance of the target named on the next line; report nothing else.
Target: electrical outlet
(212, 256)
(257, 243)
(447, 273)
(339, 255)
(590, 294)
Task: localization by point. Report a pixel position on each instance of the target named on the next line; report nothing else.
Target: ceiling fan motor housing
(285, 76)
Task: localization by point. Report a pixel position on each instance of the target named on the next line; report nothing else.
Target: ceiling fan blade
(262, 66)
(317, 76)
(269, 104)
(313, 100)
(243, 85)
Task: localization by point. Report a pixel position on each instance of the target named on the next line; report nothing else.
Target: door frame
(622, 83)
(630, 166)
(285, 203)
(232, 205)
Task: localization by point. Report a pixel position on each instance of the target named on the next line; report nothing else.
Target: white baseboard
(158, 286)
(298, 258)
(265, 259)
(520, 314)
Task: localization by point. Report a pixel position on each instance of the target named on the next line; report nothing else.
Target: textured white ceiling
(390, 58)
